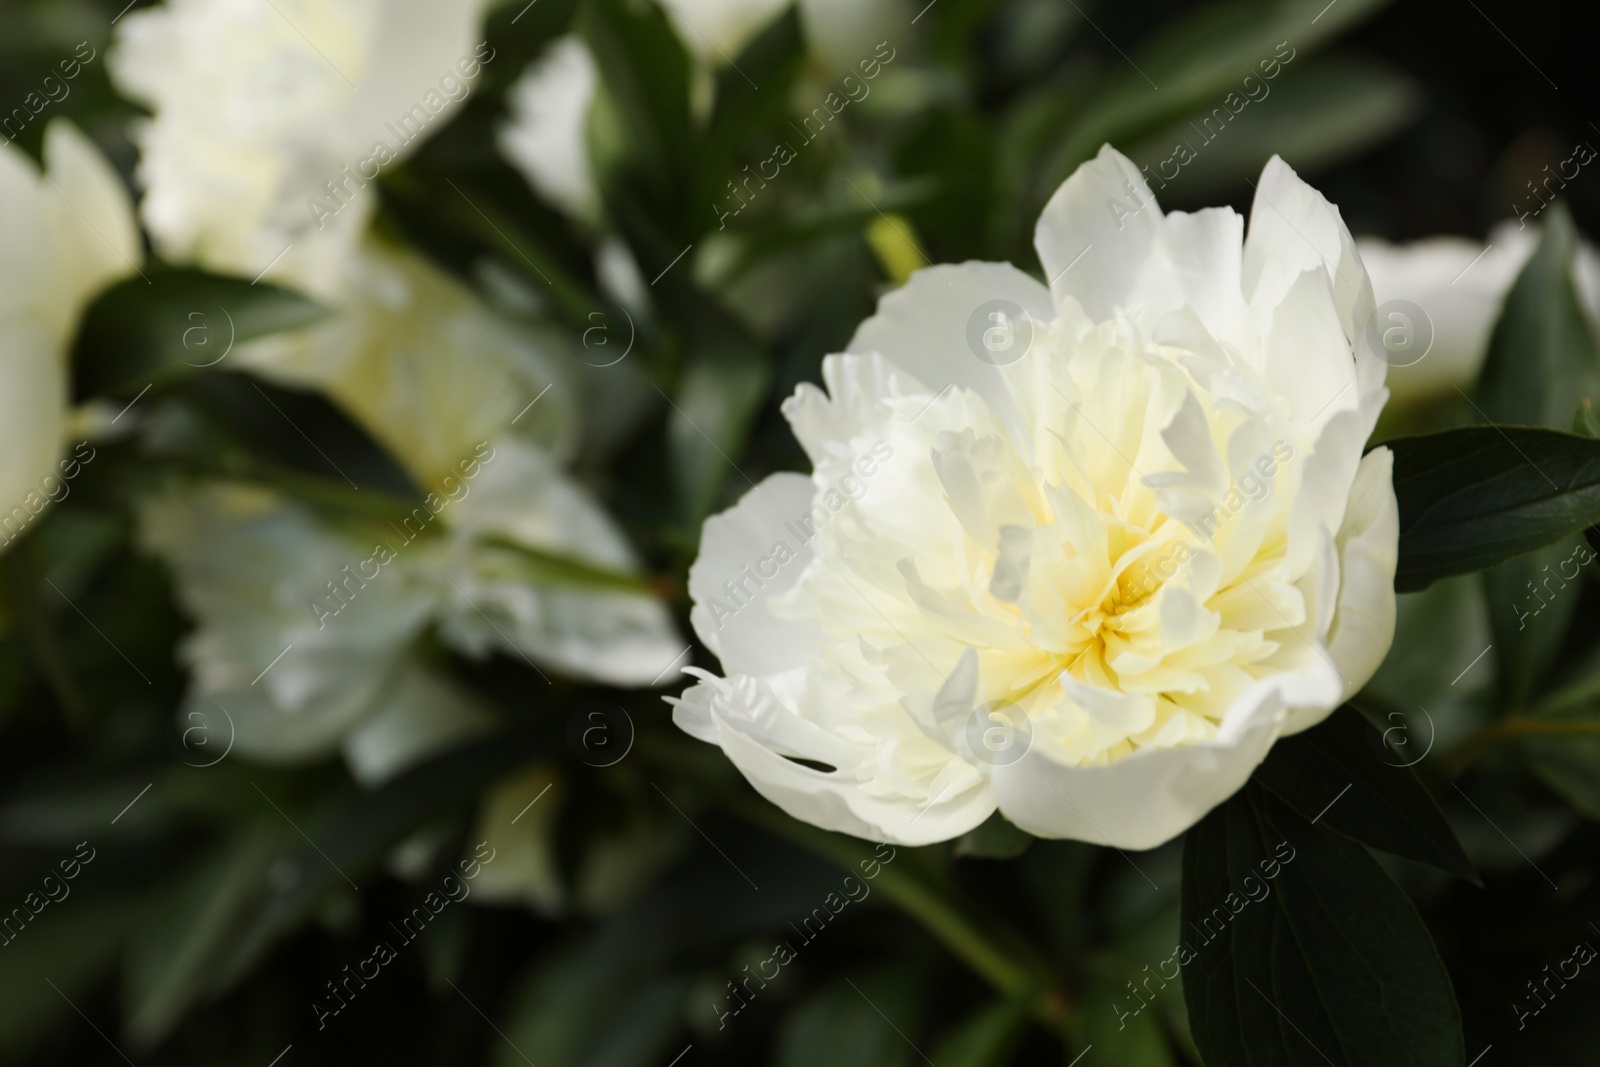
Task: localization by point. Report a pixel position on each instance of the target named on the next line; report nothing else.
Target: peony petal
(1307, 359)
(1205, 249)
(829, 425)
(547, 139)
(1098, 235)
(97, 240)
(927, 326)
(732, 589)
(420, 714)
(956, 801)
(1149, 797)
(489, 600)
(1368, 541)
(1294, 229)
(33, 398)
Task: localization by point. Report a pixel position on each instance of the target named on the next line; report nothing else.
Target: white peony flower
(1461, 286)
(68, 233)
(271, 117)
(459, 397)
(547, 136)
(1079, 553)
(439, 380)
(251, 569)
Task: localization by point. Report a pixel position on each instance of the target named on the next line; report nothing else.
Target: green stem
(1045, 1002)
(1515, 728)
(1573, 696)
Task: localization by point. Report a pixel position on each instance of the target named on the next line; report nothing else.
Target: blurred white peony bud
(270, 118)
(1461, 286)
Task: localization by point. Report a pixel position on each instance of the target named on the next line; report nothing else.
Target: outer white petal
(1104, 241)
(1098, 235)
(28, 239)
(924, 326)
(420, 713)
(1294, 229)
(736, 625)
(547, 137)
(830, 425)
(749, 720)
(1154, 795)
(1369, 550)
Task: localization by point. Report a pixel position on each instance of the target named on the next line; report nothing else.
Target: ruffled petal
(934, 327)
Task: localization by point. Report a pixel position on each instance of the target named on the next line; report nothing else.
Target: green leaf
(994, 839)
(635, 1032)
(1541, 356)
(1336, 775)
(1529, 616)
(1194, 63)
(1302, 951)
(74, 950)
(867, 1020)
(298, 433)
(1476, 496)
(1570, 766)
(1585, 421)
(641, 137)
(139, 333)
(1542, 353)
(1114, 1023)
(1444, 631)
(772, 62)
(1313, 117)
(185, 939)
(1561, 741)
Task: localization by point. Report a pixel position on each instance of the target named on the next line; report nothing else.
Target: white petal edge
(740, 629)
(1153, 795)
(1368, 541)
